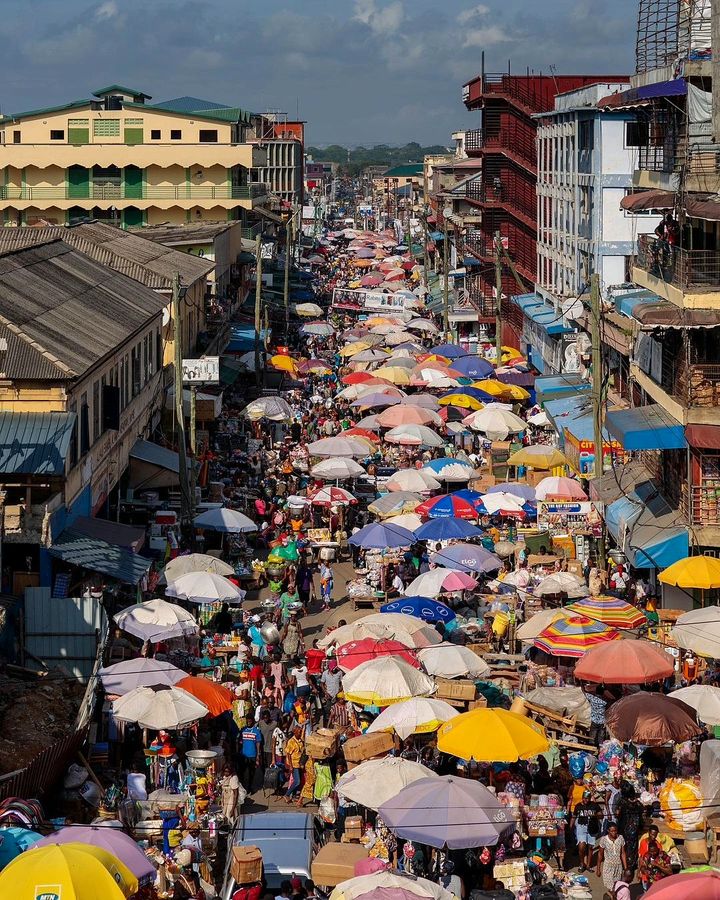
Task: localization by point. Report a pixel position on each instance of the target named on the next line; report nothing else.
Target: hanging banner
(570, 516)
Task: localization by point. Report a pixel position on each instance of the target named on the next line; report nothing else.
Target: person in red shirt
(248, 892)
(256, 674)
(314, 659)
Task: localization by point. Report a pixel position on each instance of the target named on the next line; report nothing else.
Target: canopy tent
(646, 428)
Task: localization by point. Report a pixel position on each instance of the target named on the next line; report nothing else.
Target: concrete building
(119, 158)
(284, 170)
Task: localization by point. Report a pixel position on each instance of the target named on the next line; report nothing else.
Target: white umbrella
(414, 436)
(407, 630)
(704, 699)
(133, 673)
(338, 446)
(501, 501)
(205, 587)
(376, 781)
(308, 309)
(452, 661)
(337, 468)
(699, 630)
(195, 562)
(411, 521)
(274, 408)
(423, 325)
(394, 503)
(223, 519)
(562, 583)
(159, 708)
(430, 584)
(386, 680)
(536, 624)
(496, 423)
(425, 400)
(539, 420)
(454, 472)
(416, 480)
(156, 620)
(420, 715)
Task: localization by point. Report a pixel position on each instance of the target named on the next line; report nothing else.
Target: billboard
(201, 371)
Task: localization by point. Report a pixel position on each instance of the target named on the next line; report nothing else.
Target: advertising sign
(201, 371)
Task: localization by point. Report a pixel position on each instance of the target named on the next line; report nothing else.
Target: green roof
(119, 89)
(408, 170)
(73, 104)
(229, 114)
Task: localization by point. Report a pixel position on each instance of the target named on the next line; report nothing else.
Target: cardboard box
(455, 689)
(696, 850)
(353, 828)
(321, 744)
(479, 649)
(479, 703)
(335, 863)
(365, 746)
(246, 864)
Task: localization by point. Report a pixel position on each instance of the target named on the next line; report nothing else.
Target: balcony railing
(511, 192)
(137, 192)
(697, 270)
(515, 87)
(701, 504)
(251, 232)
(516, 141)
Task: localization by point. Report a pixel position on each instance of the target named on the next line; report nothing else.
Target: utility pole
(446, 288)
(193, 447)
(258, 305)
(597, 391)
(498, 297)
(288, 228)
(426, 259)
(185, 507)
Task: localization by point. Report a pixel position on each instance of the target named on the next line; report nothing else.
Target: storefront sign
(581, 454)
(570, 516)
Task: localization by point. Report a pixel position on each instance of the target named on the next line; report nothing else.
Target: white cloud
(474, 13)
(107, 10)
(485, 37)
(383, 20)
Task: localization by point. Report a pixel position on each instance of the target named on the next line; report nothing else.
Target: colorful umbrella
(452, 661)
(446, 530)
(386, 680)
(416, 480)
(457, 813)
(492, 735)
(611, 611)
(702, 572)
(440, 580)
(538, 456)
(559, 487)
(414, 436)
(113, 840)
(73, 871)
(378, 536)
(426, 608)
(472, 366)
(14, 841)
(351, 655)
(652, 719)
(461, 399)
(421, 715)
(371, 784)
(688, 886)
(623, 662)
(216, 697)
(446, 506)
(408, 415)
(467, 558)
(332, 496)
(573, 636)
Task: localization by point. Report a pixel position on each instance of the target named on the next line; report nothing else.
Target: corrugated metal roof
(151, 263)
(156, 455)
(118, 88)
(188, 104)
(70, 308)
(34, 443)
(24, 361)
(116, 562)
(179, 235)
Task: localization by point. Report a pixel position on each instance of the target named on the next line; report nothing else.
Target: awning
(549, 320)
(618, 482)
(626, 303)
(703, 436)
(126, 536)
(77, 549)
(646, 428)
(153, 466)
(34, 443)
(527, 301)
(644, 200)
(677, 87)
(582, 428)
(562, 410)
(471, 262)
(667, 315)
(551, 387)
(647, 529)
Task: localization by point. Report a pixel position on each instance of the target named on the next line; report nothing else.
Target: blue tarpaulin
(647, 529)
(242, 338)
(646, 428)
(626, 303)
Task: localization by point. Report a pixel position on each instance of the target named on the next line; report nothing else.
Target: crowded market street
(397, 654)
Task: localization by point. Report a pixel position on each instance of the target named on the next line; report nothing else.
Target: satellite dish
(166, 316)
(572, 308)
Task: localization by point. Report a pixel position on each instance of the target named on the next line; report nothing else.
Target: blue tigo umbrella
(467, 558)
(421, 607)
(378, 536)
(451, 351)
(14, 841)
(445, 530)
(472, 366)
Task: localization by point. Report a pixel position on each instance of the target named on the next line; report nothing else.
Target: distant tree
(379, 155)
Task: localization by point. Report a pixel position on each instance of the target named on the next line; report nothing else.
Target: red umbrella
(330, 496)
(359, 378)
(624, 662)
(364, 433)
(371, 280)
(461, 509)
(353, 653)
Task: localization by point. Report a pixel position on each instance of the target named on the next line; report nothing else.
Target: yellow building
(118, 158)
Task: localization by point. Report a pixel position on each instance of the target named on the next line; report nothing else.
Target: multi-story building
(505, 142)
(284, 170)
(116, 157)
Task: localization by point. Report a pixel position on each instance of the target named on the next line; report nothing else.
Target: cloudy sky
(359, 71)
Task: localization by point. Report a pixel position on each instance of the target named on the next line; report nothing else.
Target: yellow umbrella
(382, 320)
(499, 389)
(283, 363)
(701, 572)
(67, 871)
(355, 347)
(492, 735)
(435, 357)
(539, 457)
(394, 374)
(461, 399)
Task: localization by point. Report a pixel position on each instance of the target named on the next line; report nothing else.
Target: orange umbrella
(217, 698)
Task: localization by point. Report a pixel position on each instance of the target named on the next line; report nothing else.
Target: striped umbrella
(573, 635)
(611, 611)
(331, 496)
(447, 506)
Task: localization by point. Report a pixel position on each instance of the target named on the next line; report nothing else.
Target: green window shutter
(78, 182)
(133, 131)
(106, 127)
(132, 217)
(133, 178)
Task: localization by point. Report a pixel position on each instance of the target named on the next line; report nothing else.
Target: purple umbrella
(467, 558)
(446, 811)
(367, 401)
(525, 492)
(450, 351)
(108, 838)
(426, 401)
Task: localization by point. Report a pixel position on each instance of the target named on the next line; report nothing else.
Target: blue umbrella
(445, 530)
(437, 465)
(451, 351)
(376, 399)
(14, 841)
(473, 366)
(525, 492)
(379, 536)
(475, 393)
(468, 495)
(421, 607)
(467, 558)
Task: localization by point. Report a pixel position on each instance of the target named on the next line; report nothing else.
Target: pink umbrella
(331, 496)
(395, 275)
(559, 486)
(408, 415)
(371, 280)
